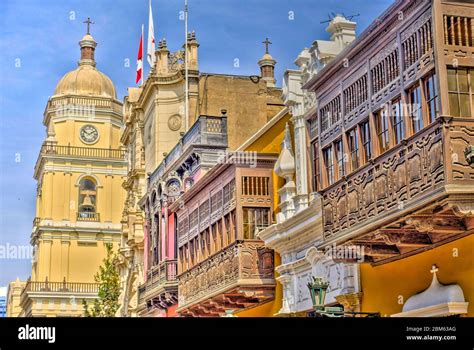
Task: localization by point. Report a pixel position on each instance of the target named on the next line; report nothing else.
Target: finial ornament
(88, 22)
(266, 42)
(434, 269)
(287, 139)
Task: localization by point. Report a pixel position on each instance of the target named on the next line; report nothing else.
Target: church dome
(86, 80)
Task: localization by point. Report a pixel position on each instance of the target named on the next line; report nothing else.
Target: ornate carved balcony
(238, 277)
(161, 288)
(416, 195)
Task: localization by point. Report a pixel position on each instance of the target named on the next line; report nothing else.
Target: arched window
(87, 199)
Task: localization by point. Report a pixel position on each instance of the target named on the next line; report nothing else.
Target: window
(381, 124)
(255, 219)
(329, 164)
(414, 108)
(228, 229)
(366, 144)
(207, 237)
(203, 244)
(216, 201)
(355, 94)
(340, 158)
(397, 121)
(330, 113)
(193, 219)
(431, 93)
(215, 237)
(255, 186)
(460, 89)
(191, 251)
(458, 31)
(353, 141)
(229, 192)
(316, 171)
(155, 231)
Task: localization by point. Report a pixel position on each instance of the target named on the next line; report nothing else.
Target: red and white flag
(140, 60)
(150, 52)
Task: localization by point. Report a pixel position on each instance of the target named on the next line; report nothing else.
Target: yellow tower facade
(80, 199)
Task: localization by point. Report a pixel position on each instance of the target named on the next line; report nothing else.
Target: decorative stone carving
(285, 168)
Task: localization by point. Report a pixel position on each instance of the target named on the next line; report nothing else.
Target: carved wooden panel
(461, 135)
(402, 175)
(243, 260)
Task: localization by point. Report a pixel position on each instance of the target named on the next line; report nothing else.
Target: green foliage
(108, 277)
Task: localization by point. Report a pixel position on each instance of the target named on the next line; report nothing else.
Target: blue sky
(39, 44)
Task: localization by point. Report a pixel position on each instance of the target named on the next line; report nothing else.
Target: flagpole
(186, 92)
(143, 66)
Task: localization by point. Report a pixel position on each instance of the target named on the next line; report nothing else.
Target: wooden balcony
(238, 277)
(161, 288)
(413, 197)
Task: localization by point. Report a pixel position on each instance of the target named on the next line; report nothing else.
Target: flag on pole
(151, 40)
(140, 59)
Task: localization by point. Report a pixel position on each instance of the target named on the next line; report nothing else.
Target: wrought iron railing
(206, 130)
(88, 216)
(85, 152)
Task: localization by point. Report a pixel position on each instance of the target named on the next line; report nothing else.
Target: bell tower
(80, 170)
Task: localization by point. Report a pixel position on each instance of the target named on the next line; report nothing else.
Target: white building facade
(299, 229)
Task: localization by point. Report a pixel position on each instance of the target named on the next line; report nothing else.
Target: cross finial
(434, 269)
(266, 42)
(88, 22)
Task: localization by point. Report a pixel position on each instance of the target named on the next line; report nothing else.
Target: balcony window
(381, 124)
(215, 238)
(255, 219)
(191, 252)
(366, 142)
(431, 93)
(416, 116)
(460, 90)
(316, 171)
(340, 158)
(330, 113)
(397, 121)
(229, 192)
(353, 142)
(329, 164)
(458, 31)
(255, 186)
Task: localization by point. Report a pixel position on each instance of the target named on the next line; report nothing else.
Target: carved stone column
(288, 299)
(301, 162)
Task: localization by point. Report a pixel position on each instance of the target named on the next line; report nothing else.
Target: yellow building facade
(79, 203)
(268, 140)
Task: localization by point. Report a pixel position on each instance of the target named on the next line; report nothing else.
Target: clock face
(89, 134)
